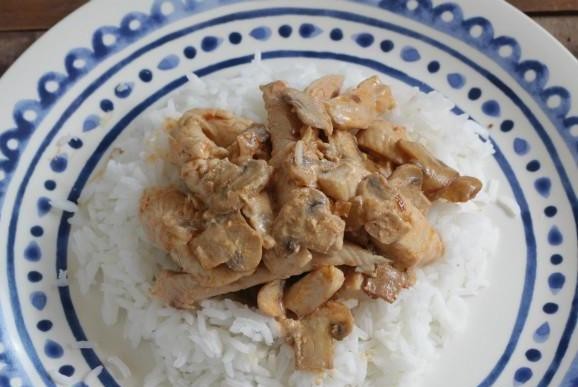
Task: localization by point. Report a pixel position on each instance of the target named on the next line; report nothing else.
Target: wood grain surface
(24, 21)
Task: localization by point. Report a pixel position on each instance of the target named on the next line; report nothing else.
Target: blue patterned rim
(425, 13)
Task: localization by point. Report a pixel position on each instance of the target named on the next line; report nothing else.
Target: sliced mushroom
(437, 175)
(326, 87)
(312, 337)
(169, 217)
(313, 290)
(408, 180)
(461, 189)
(350, 255)
(387, 282)
(282, 123)
(222, 185)
(229, 241)
(287, 257)
(214, 278)
(381, 138)
(340, 182)
(310, 110)
(306, 221)
(270, 299)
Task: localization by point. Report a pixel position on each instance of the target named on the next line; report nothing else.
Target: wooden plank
(12, 44)
(20, 15)
(546, 6)
(562, 27)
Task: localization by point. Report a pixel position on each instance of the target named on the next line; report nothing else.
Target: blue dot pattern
(410, 54)
(285, 30)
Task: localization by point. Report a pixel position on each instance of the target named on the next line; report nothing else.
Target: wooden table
(24, 21)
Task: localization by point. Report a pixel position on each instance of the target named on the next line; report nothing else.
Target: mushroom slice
(188, 141)
(309, 110)
(326, 87)
(259, 213)
(221, 126)
(216, 277)
(169, 217)
(381, 138)
(437, 175)
(313, 290)
(282, 123)
(350, 255)
(340, 182)
(408, 180)
(270, 299)
(313, 337)
(461, 189)
(230, 241)
(222, 185)
(386, 282)
(306, 221)
(286, 259)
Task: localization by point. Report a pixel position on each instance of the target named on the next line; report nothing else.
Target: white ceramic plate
(67, 98)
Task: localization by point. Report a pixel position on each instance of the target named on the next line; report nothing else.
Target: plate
(66, 100)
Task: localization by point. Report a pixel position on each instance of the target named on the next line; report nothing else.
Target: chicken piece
(270, 299)
(306, 221)
(387, 282)
(282, 123)
(359, 107)
(437, 175)
(380, 210)
(352, 288)
(285, 259)
(230, 241)
(461, 189)
(259, 213)
(378, 165)
(346, 147)
(326, 87)
(310, 110)
(419, 246)
(340, 182)
(220, 126)
(312, 338)
(381, 138)
(169, 217)
(313, 290)
(341, 209)
(350, 255)
(222, 185)
(408, 180)
(253, 143)
(188, 141)
(214, 278)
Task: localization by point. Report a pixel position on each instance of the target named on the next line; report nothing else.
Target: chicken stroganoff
(325, 202)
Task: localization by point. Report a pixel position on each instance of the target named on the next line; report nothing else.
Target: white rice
(225, 343)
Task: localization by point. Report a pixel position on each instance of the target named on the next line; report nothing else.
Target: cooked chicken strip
(408, 180)
(313, 290)
(285, 259)
(230, 241)
(351, 255)
(253, 143)
(312, 337)
(169, 217)
(340, 182)
(306, 221)
(282, 123)
(259, 213)
(326, 87)
(222, 185)
(381, 138)
(270, 299)
(387, 282)
(310, 110)
(352, 288)
(188, 141)
(359, 107)
(220, 126)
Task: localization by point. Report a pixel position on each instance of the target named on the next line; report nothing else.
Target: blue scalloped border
(53, 85)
